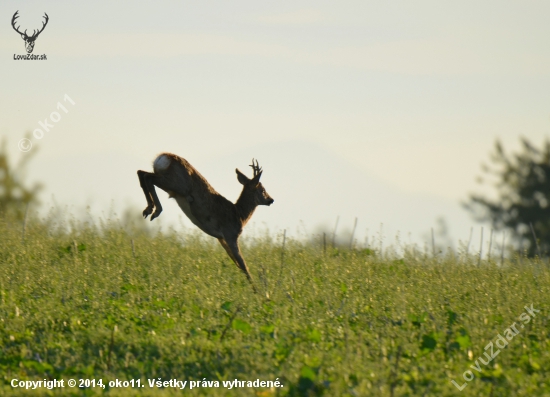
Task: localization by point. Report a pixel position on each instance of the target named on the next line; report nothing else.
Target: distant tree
(523, 186)
(14, 195)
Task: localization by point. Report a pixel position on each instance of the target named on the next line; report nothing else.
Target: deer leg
(151, 180)
(228, 250)
(232, 249)
(150, 205)
(148, 181)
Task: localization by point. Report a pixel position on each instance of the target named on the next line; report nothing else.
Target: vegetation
(523, 186)
(81, 301)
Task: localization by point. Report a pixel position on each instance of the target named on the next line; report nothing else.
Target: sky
(382, 111)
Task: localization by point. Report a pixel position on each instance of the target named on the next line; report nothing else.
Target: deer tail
(161, 163)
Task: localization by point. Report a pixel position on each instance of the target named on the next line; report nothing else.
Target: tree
(14, 196)
(523, 186)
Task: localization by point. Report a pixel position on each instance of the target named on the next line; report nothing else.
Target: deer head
(29, 40)
(253, 186)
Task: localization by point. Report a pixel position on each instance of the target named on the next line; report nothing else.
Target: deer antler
(257, 169)
(35, 33)
(47, 18)
(15, 16)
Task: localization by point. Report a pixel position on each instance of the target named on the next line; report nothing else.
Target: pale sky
(408, 97)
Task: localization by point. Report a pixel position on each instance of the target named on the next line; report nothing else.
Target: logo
(29, 40)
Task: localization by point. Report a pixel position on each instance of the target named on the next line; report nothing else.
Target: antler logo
(29, 40)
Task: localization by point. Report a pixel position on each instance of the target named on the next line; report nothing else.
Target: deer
(204, 206)
(29, 40)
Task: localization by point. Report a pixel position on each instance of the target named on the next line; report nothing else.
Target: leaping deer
(29, 40)
(206, 208)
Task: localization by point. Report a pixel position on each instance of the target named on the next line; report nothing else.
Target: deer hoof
(156, 214)
(147, 211)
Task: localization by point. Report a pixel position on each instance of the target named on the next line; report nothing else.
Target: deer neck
(245, 206)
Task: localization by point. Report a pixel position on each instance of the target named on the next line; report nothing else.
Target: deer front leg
(232, 249)
(150, 205)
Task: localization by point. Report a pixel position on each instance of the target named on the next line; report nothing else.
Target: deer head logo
(29, 40)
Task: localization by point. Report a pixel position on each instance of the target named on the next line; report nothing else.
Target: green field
(82, 304)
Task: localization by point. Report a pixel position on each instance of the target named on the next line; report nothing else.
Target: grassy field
(85, 304)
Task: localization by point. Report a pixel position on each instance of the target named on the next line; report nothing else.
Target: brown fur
(206, 208)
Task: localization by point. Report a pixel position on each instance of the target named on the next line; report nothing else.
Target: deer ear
(243, 179)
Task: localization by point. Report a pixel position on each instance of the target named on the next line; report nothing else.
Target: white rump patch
(161, 163)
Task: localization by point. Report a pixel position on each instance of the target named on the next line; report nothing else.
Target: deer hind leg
(170, 184)
(150, 204)
(232, 249)
(148, 182)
